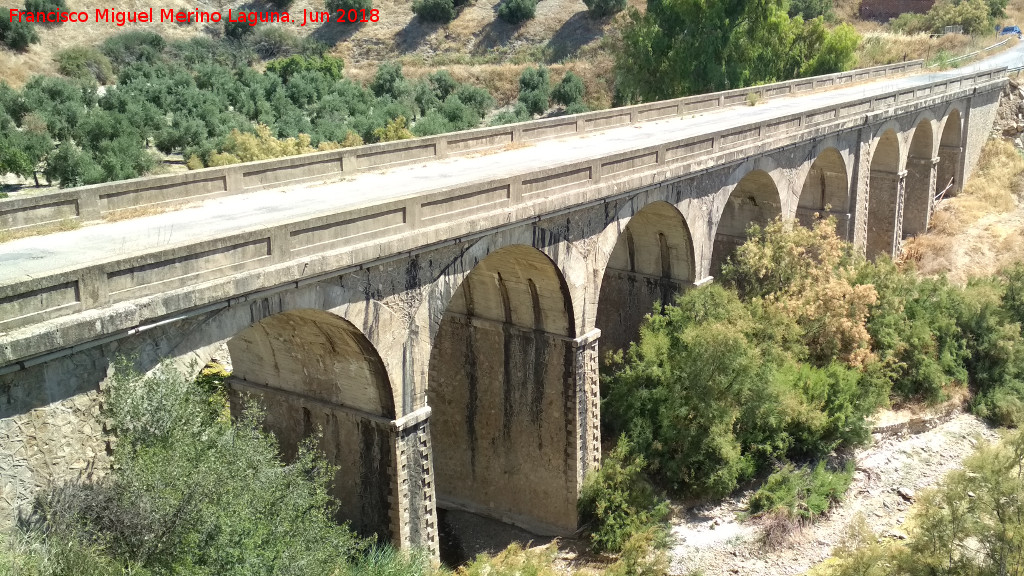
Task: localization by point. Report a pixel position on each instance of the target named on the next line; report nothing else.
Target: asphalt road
(42, 255)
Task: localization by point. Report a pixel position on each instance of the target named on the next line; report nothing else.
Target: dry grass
(59, 226)
(979, 231)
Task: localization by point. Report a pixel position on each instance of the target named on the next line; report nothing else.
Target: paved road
(36, 256)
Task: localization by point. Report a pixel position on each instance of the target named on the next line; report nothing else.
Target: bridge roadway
(439, 321)
(32, 257)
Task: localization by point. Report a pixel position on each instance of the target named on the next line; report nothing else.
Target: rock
(905, 493)
(970, 494)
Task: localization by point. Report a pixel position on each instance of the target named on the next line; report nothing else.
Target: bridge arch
(652, 260)
(951, 150)
(920, 179)
(755, 199)
(503, 392)
(826, 192)
(885, 190)
(317, 371)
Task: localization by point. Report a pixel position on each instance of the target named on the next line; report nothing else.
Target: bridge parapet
(119, 199)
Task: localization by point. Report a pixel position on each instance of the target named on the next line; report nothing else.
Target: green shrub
(326, 65)
(45, 6)
(569, 91)
(193, 492)
(335, 5)
(802, 492)
(237, 30)
(269, 42)
(643, 554)
(71, 166)
(431, 123)
(974, 15)
(134, 46)
(85, 63)
(519, 113)
(617, 502)
(434, 10)
(909, 23)
(18, 35)
(517, 11)
(389, 81)
(809, 9)
(534, 89)
(914, 329)
(603, 8)
(476, 98)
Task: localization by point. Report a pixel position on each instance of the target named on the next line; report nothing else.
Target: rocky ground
(902, 460)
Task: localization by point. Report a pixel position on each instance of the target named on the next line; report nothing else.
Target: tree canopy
(696, 46)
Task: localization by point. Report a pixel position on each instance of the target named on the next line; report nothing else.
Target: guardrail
(971, 55)
(92, 203)
(297, 252)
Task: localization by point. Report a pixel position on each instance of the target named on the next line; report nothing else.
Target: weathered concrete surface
(442, 322)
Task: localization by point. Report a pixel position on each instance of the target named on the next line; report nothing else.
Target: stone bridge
(436, 306)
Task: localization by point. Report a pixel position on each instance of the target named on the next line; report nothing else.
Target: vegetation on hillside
(202, 99)
(975, 16)
(696, 46)
(193, 492)
(775, 371)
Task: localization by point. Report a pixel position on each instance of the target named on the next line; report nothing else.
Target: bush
(335, 5)
(237, 30)
(617, 502)
(192, 492)
(273, 41)
(132, 47)
(534, 89)
(394, 130)
(569, 91)
(85, 63)
(910, 23)
(18, 35)
(45, 5)
(519, 113)
(517, 11)
(434, 10)
(809, 9)
(804, 492)
(72, 167)
(389, 81)
(974, 15)
(603, 8)
(326, 65)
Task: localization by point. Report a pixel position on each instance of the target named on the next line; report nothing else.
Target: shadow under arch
(316, 371)
(948, 172)
(754, 200)
(501, 390)
(826, 192)
(652, 261)
(885, 188)
(920, 181)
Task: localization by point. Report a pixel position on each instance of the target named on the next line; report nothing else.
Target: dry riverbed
(901, 461)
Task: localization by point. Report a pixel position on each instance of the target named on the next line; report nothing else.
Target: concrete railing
(118, 199)
(244, 262)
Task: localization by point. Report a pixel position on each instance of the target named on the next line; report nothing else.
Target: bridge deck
(28, 258)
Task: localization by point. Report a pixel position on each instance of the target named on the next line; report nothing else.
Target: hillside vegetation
(195, 95)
